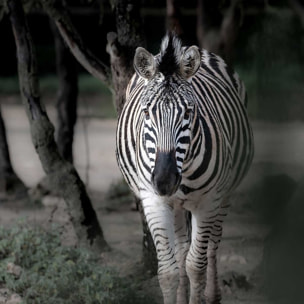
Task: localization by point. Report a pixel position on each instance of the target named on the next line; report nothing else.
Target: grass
(52, 273)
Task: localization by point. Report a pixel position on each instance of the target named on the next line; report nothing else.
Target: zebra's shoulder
(217, 67)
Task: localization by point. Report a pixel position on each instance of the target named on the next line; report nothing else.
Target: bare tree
(67, 95)
(62, 174)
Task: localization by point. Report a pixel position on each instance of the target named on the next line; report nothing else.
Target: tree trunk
(67, 96)
(122, 45)
(62, 173)
(10, 184)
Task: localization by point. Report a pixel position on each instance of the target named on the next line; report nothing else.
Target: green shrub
(52, 273)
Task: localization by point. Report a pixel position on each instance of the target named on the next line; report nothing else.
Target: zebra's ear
(190, 62)
(144, 63)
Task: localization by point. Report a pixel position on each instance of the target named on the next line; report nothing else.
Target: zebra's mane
(170, 54)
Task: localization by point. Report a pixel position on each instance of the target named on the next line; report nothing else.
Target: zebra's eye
(147, 115)
(187, 114)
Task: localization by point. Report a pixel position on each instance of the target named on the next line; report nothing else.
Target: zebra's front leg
(160, 219)
(182, 243)
(196, 261)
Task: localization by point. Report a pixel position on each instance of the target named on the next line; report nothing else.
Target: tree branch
(61, 173)
(58, 12)
(67, 74)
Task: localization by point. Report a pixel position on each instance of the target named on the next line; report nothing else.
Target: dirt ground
(279, 151)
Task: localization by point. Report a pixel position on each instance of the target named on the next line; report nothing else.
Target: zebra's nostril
(165, 174)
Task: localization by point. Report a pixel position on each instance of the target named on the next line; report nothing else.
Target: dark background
(268, 53)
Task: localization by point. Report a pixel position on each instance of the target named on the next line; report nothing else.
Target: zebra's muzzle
(165, 176)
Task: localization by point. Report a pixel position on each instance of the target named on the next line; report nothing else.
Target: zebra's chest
(192, 201)
(191, 193)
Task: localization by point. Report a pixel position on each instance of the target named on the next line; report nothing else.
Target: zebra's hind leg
(160, 219)
(182, 243)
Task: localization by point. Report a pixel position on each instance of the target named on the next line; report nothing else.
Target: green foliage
(52, 273)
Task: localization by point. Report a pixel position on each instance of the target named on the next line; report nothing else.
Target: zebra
(183, 144)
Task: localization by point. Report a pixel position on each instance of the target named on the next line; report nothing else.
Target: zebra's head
(168, 106)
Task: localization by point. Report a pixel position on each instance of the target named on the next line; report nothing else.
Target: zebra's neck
(196, 151)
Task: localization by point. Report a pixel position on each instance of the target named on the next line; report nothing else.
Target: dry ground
(279, 150)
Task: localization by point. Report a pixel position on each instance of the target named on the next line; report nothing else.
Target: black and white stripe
(184, 143)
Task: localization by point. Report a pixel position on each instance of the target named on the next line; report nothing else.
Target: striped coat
(184, 143)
